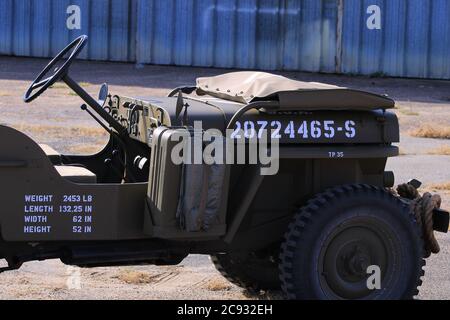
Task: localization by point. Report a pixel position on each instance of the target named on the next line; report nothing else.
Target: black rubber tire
(368, 217)
(251, 271)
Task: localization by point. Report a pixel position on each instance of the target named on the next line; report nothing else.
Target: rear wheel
(347, 239)
(250, 270)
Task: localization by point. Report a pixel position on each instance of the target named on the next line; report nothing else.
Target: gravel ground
(56, 117)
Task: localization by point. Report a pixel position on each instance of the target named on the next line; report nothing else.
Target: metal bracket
(441, 220)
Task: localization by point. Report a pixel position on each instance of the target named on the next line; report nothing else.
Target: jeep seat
(76, 174)
(52, 154)
(49, 151)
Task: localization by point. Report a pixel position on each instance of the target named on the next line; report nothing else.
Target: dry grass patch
(62, 85)
(136, 277)
(59, 85)
(432, 131)
(218, 285)
(63, 132)
(263, 295)
(86, 149)
(439, 186)
(441, 151)
(408, 112)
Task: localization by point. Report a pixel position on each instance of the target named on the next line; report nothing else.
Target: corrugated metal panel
(38, 28)
(414, 40)
(307, 35)
(253, 34)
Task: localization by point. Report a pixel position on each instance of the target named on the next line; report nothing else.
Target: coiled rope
(422, 207)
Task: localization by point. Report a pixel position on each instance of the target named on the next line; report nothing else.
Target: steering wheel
(39, 85)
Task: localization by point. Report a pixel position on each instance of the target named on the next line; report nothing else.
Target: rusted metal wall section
(408, 38)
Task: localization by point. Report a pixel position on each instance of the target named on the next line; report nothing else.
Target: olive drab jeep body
(311, 228)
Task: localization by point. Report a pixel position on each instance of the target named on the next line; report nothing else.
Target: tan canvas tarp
(247, 86)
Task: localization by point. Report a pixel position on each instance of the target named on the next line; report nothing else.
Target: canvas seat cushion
(76, 174)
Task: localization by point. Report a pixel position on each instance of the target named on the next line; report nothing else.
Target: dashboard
(139, 117)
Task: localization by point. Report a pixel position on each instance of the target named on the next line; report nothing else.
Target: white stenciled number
(262, 126)
(290, 130)
(249, 129)
(338, 154)
(350, 129)
(316, 131)
(303, 130)
(237, 132)
(307, 129)
(77, 229)
(329, 129)
(276, 126)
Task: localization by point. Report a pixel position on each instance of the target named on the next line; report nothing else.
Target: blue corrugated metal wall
(414, 40)
(261, 34)
(307, 35)
(38, 28)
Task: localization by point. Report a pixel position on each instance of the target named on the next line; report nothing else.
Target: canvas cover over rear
(246, 87)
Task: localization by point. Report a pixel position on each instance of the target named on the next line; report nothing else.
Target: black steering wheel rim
(42, 85)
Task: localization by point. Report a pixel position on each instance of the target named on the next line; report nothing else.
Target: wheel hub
(346, 259)
(357, 262)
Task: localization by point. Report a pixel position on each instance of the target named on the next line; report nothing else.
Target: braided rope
(422, 207)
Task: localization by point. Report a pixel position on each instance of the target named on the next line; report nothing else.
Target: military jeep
(311, 222)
